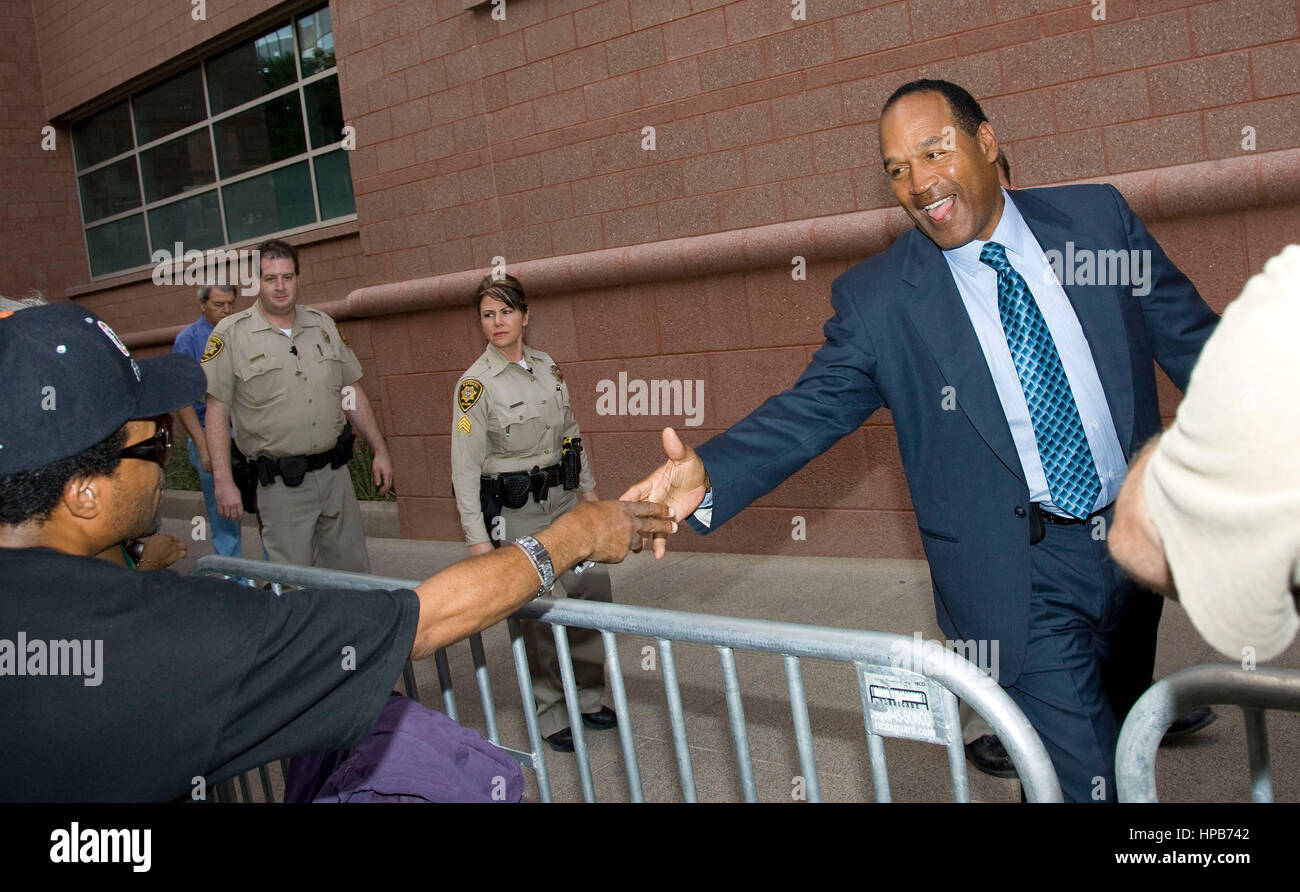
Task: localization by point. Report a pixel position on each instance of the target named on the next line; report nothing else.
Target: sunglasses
(156, 447)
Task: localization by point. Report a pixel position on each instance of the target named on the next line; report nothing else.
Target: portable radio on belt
(571, 462)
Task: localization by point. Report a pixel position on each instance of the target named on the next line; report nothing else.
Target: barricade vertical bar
(736, 715)
(1261, 777)
(802, 728)
(484, 687)
(244, 792)
(680, 745)
(956, 752)
(565, 659)
(268, 792)
(875, 745)
(444, 681)
(525, 678)
(614, 669)
(408, 680)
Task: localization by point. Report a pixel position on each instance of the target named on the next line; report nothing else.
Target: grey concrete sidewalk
(887, 595)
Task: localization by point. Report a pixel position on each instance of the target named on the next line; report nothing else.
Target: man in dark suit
(1012, 335)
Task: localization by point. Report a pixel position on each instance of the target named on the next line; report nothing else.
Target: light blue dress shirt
(977, 283)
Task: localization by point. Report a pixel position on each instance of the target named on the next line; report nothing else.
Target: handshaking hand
(680, 483)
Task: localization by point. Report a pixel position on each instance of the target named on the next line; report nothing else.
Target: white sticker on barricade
(907, 705)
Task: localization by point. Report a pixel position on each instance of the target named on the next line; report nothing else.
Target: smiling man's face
(944, 178)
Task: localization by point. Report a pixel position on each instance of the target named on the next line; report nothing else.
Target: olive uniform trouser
(585, 645)
(315, 524)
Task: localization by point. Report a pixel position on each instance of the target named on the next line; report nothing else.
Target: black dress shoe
(601, 721)
(989, 755)
(561, 741)
(1191, 723)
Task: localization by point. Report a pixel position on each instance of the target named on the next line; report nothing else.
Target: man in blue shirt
(216, 303)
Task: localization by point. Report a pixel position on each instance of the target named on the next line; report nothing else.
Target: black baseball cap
(68, 382)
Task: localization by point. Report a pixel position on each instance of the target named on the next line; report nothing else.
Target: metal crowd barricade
(1254, 690)
(908, 688)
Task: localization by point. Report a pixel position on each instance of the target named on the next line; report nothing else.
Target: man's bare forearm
(189, 420)
(218, 437)
(481, 591)
(363, 419)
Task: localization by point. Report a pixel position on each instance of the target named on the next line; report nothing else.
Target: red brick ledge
(1205, 187)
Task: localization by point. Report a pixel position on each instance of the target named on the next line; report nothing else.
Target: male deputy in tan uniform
(287, 381)
(509, 419)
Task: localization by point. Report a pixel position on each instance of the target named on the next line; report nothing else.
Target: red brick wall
(39, 224)
(522, 138)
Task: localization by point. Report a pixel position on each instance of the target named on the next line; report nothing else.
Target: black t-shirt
(196, 676)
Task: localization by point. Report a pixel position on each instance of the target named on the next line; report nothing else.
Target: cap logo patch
(112, 336)
(470, 391)
(215, 346)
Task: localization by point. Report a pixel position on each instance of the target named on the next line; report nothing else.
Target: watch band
(541, 559)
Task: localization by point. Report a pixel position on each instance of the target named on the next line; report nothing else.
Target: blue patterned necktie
(1072, 478)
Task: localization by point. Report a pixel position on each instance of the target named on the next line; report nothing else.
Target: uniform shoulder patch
(215, 346)
(469, 393)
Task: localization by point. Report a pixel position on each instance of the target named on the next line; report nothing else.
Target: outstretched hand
(615, 528)
(680, 483)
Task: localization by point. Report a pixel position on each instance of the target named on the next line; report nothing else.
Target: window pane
(169, 106)
(260, 136)
(118, 245)
(109, 190)
(334, 183)
(324, 111)
(316, 41)
(252, 69)
(194, 222)
(177, 166)
(103, 136)
(272, 202)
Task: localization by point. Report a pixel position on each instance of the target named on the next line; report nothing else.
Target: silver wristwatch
(541, 559)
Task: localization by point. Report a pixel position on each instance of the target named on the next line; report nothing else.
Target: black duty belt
(292, 469)
(513, 489)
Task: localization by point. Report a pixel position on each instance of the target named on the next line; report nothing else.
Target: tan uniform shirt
(1223, 484)
(505, 419)
(284, 393)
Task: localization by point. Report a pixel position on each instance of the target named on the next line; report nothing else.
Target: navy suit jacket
(901, 338)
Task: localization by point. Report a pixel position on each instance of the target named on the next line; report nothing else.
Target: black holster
(245, 474)
(489, 499)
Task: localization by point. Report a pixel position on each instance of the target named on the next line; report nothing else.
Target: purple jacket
(412, 754)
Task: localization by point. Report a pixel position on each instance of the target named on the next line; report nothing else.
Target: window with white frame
(242, 146)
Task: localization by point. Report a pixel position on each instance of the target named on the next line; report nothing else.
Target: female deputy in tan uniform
(513, 439)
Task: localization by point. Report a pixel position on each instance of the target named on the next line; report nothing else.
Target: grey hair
(33, 299)
(205, 291)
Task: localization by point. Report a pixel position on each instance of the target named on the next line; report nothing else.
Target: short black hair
(503, 287)
(966, 112)
(32, 495)
(277, 250)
